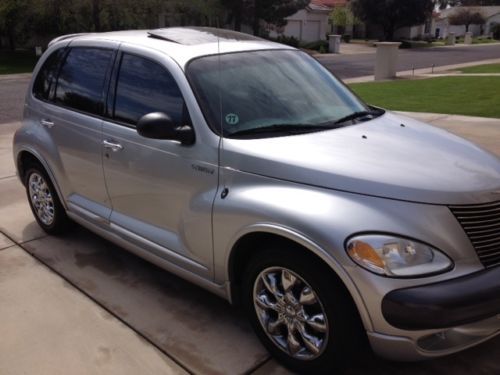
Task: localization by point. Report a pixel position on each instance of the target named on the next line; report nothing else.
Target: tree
(445, 3)
(275, 11)
(12, 19)
(393, 14)
(467, 17)
(342, 16)
(235, 8)
(255, 11)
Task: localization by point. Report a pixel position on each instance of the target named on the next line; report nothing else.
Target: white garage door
(293, 29)
(311, 31)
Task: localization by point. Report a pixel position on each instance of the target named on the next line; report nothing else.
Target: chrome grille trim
(481, 223)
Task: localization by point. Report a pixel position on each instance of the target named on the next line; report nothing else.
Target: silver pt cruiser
(247, 168)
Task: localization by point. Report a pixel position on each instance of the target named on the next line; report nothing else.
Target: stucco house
(442, 27)
(311, 23)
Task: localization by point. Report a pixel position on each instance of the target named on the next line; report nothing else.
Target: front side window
(143, 87)
(267, 92)
(81, 80)
(46, 78)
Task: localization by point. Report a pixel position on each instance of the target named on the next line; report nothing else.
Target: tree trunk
(96, 10)
(256, 20)
(467, 28)
(11, 36)
(237, 13)
(389, 32)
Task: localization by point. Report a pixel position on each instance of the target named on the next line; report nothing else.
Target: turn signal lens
(395, 256)
(362, 252)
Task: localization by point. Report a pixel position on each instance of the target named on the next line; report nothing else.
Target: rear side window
(46, 79)
(81, 79)
(143, 87)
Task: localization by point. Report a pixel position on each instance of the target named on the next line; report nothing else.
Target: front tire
(301, 312)
(44, 201)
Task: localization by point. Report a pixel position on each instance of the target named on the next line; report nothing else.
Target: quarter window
(81, 80)
(46, 77)
(143, 87)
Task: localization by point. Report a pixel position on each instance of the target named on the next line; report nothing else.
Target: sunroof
(199, 35)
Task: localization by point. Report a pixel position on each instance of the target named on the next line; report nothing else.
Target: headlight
(395, 256)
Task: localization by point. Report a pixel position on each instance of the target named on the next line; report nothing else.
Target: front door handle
(112, 145)
(47, 123)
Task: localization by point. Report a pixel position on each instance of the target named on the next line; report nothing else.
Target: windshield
(247, 92)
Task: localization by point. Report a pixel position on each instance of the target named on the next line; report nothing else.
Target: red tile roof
(330, 3)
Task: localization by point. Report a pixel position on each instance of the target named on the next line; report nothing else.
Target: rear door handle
(113, 146)
(47, 123)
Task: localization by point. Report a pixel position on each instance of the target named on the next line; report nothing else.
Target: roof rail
(64, 37)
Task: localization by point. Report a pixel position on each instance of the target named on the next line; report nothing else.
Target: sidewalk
(354, 48)
(49, 327)
(426, 72)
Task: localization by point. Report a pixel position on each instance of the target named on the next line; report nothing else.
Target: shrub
(346, 38)
(288, 40)
(496, 31)
(405, 44)
(316, 45)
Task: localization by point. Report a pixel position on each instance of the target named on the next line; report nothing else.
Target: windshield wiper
(356, 115)
(288, 129)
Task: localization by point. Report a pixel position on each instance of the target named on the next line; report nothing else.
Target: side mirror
(159, 125)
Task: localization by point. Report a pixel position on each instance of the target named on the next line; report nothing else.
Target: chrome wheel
(41, 198)
(290, 313)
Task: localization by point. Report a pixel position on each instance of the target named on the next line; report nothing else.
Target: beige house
(311, 23)
(308, 25)
(442, 26)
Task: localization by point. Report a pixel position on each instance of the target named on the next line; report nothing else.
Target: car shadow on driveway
(198, 329)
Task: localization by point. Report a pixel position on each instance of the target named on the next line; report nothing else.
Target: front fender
(307, 243)
(322, 219)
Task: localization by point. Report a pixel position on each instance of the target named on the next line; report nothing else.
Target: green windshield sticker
(232, 119)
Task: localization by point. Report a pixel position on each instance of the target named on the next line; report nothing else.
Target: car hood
(391, 156)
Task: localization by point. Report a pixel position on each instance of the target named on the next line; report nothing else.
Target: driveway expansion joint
(82, 291)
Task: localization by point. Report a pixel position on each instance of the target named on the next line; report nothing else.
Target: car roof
(183, 43)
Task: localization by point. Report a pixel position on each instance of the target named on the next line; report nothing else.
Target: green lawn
(17, 62)
(470, 96)
(490, 68)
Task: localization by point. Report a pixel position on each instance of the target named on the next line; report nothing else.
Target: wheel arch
(26, 156)
(243, 249)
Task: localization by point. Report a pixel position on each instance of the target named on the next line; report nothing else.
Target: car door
(162, 192)
(73, 120)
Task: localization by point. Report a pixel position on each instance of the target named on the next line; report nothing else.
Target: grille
(482, 225)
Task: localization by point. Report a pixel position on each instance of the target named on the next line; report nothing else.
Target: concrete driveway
(79, 302)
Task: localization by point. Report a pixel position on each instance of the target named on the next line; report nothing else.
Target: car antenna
(222, 181)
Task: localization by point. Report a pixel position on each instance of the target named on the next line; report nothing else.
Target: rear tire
(44, 201)
(313, 304)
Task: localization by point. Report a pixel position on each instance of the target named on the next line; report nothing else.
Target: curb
(7, 77)
(427, 116)
(427, 72)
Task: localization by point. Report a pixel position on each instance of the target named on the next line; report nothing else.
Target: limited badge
(232, 119)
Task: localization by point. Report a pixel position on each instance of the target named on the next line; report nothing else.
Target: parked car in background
(247, 168)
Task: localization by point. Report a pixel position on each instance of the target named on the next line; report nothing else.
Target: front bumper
(445, 304)
(440, 318)
(433, 344)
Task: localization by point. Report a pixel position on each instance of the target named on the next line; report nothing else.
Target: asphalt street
(12, 92)
(351, 66)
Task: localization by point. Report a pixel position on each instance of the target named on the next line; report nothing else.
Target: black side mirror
(159, 125)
